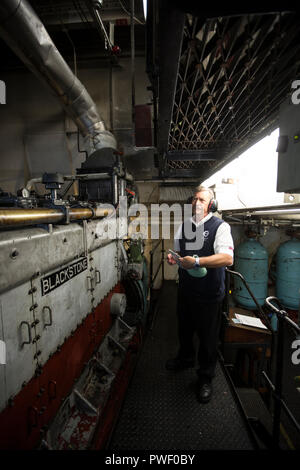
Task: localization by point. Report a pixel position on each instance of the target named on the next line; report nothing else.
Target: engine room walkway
(160, 410)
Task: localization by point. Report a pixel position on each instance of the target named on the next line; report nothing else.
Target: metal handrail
(237, 398)
(283, 320)
(157, 244)
(262, 314)
(157, 271)
(287, 410)
(161, 264)
(282, 312)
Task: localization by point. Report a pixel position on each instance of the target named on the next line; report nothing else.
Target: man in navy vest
(207, 247)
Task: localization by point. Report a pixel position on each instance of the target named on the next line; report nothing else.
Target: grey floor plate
(160, 410)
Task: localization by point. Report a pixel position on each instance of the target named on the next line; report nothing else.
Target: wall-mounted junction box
(288, 176)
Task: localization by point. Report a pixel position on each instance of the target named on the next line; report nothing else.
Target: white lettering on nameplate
(54, 280)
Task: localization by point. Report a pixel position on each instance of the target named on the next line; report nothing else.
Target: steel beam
(186, 155)
(171, 22)
(191, 173)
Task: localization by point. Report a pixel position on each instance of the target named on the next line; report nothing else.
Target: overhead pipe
(106, 15)
(81, 176)
(94, 12)
(291, 213)
(23, 31)
(132, 45)
(168, 180)
(276, 212)
(258, 208)
(265, 210)
(21, 217)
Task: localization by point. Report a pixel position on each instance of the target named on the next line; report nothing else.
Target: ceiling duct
(26, 35)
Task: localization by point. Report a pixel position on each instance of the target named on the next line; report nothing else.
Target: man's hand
(188, 262)
(213, 261)
(170, 259)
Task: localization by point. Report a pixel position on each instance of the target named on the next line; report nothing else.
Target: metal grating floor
(160, 410)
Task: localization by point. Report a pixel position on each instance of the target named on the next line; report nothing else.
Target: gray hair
(201, 188)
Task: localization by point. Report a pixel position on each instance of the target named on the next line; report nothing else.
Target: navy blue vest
(210, 288)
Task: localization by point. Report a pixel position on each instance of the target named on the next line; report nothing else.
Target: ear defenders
(212, 206)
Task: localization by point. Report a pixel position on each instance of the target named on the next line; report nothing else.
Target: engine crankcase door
(106, 270)
(16, 322)
(64, 302)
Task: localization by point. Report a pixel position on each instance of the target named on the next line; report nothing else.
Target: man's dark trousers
(203, 318)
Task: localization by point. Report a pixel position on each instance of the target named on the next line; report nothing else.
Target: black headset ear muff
(212, 206)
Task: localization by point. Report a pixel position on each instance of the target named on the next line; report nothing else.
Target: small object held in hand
(197, 271)
(175, 256)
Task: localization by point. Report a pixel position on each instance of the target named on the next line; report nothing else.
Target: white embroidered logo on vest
(205, 234)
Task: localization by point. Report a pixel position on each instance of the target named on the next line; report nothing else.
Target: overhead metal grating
(234, 72)
(188, 164)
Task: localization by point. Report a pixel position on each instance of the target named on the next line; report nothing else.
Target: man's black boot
(204, 391)
(179, 364)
